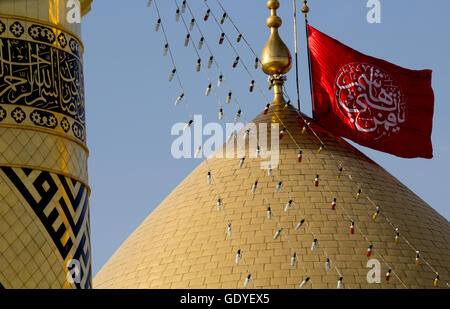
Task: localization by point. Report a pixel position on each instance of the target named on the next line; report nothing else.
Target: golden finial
(276, 59)
(305, 9)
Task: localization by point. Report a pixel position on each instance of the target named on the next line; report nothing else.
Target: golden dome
(183, 243)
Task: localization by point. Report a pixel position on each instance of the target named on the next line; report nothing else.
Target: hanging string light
(258, 151)
(158, 24)
(208, 178)
(352, 227)
(340, 282)
(188, 125)
(219, 204)
(166, 49)
(183, 6)
(172, 74)
(219, 81)
(266, 109)
(269, 213)
(305, 126)
(299, 225)
(314, 244)
(397, 236)
(223, 18)
(197, 151)
(238, 256)
(247, 280)
(246, 134)
(278, 187)
(299, 156)
(417, 258)
(320, 148)
(229, 230)
(277, 234)
(186, 41)
(316, 181)
(206, 15)
(238, 115)
(327, 265)
(208, 90)
(302, 285)
(236, 61)
(238, 39)
(269, 170)
(177, 15)
(369, 250)
(178, 100)
(210, 61)
(229, 97)
(252, 85)
(198, 65)
(388, 275)
(282, 133)
(200, 43)
(256, 63)
(293, 258)
(191, 25)
(222, 37)
(339, 173)
(358, 194)
(241, 162)
(221, 113)
(254, 187)
(436, 280)
(333, 204)
(377, 212)
(288, 205)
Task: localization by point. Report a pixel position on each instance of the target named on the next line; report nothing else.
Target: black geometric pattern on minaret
(73, 204)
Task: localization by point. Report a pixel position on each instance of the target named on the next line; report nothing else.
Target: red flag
(370, 101)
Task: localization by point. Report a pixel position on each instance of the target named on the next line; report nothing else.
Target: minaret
(44, 191)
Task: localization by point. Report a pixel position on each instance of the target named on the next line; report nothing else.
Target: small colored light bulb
(316, 181)
(178, 100)
(327, 265)
(239, 38)
(177, 15)
(219, 81)
(206, 15)
(208, 178)
(352, 227)
(219, 204)
(339, 173)
(158, 24)
(417, 258)
(376, 213)
(304, 282)
(388, 275)
(282, 133)
(238, 256)
(220, 113)
(223, 18)
(288, 205)
(304, 128)
(229, 97)
(191, 25)
(222, 37)
(256, 62)
(397, 236)
(247, 280)
(299, 225)
(241, 162)
(299, 156)
(293, 258)
(198, 65)
(254, 186)
(269, 213)
(358, 194)
(236, 61)
(200, 43)
(210, 61)
(186, 41)
(320, 148)
(172, 74)
(238, 115)
(208, 90)
(252, 85)
(333, 204)
(166, 49)
(277, 234)
(277, 188)
(188, 125)
(266, 110)
(369, 250)
(340, 282)
(183, 7)
(314, 244)
(436, 280)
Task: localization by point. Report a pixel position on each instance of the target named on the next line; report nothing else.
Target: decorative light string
(340, 165)
(210, 176)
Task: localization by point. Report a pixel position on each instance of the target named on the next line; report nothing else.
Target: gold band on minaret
(276, 59)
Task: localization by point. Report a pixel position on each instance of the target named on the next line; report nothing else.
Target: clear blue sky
(129, 102)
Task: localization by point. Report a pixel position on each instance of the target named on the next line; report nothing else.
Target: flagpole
(296, 54)
(305, 10)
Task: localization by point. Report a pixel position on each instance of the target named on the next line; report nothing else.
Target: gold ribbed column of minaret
(44, 192)
(184, 242)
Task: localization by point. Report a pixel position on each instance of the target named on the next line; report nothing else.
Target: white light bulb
(269, 213)
(238, 256)
(191, 25)
(339, 285)
(247, 280)
(254, 187)
(277, 188)
(314, 244)
(208, 178)
(219, 204)
(299, 225)
(302, 285)
(269, 170)
(177, 15)
(178, 100)
(229, 229)
(197, 152)
(277, 234)
(188, 125)
(288, 205)
(210, 61)
(200, 43)
(327, 265)
(208, 90)
(241, 162)
(293, 258)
